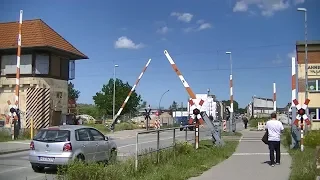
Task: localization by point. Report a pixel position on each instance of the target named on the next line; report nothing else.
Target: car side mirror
(106, 138)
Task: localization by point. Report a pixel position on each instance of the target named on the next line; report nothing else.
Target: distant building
(260, 107)
(47, 63)
(313, 78)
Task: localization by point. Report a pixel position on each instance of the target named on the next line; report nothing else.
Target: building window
(313, 113)
(9, 64)
(313, 85)
(42, 64)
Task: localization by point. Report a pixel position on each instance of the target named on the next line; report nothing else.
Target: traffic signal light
(301, 111)
(196, 111)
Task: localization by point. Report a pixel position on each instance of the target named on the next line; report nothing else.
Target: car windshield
(47, 135)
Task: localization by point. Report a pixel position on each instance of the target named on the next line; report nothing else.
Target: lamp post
(114, 89)
(306, 53)
(161, 98)
(231, 94)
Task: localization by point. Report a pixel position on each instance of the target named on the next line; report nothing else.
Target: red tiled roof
(35, 33)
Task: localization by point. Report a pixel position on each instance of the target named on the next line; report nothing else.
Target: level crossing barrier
(261, 126)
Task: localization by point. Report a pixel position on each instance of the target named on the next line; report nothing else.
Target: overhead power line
(196, 70)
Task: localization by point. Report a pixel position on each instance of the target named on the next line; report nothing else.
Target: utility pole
(306, 53)
(231, 95)
(114, 90)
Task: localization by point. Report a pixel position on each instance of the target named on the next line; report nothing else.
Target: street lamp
(114, 89)
(161, 98)
(231, 94)
(306, 52)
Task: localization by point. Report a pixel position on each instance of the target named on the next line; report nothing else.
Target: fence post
(158, 145)
(186, 136)
(136, 155)
(31, 130)
(174, 142)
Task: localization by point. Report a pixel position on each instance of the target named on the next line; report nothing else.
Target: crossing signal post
(147, 116)
(301, 117)
(196, 112)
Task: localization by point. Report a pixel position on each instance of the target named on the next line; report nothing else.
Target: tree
(104, 99)
(173, 106)
(235, 105)
(242, 110)
(143, 105)
(89, 109)
(72, 92)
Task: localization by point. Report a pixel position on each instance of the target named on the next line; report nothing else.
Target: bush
(303, 163)
(254, 121)
(312, 139)
(176, 163)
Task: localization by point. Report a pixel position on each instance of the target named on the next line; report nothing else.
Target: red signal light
(301, 112)
(196, 111)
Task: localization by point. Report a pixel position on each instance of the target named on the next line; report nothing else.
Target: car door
(101, 144)
(86, 144)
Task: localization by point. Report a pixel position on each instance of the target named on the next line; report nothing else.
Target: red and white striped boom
(186, 85)
(131, 91)
(18, 62)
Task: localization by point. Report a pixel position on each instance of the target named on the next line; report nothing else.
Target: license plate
(46, 159)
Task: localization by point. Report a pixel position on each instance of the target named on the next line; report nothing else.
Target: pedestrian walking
(245, 121)
(274, 128)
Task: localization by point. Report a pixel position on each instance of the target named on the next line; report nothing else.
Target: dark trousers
(245, 125)
(274, 146)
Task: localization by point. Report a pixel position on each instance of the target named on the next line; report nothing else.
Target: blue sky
(260, 33)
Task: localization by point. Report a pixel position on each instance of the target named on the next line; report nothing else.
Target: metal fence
(161, 139)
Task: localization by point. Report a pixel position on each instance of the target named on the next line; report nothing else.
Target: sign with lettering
(314, 70)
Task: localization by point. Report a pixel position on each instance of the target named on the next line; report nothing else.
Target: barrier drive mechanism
(301, 117)
(13, 118)
(197, 116)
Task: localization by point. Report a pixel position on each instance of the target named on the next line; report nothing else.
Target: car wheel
(37, 168)
(80, 158)
(181, 129)
(113, 156)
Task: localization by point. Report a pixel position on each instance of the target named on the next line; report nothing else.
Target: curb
(13, 151)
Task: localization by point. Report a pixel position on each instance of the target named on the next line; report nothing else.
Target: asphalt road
(16, 166)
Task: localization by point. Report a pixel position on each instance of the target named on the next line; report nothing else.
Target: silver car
(58, 145)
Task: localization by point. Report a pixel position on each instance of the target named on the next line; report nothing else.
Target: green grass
(253, 122)
(180, 163)
(231, 134)
(118, 127)
(303, 163)
(6, 136)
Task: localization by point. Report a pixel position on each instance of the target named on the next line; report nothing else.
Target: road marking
(12, 169)
(240, 139)
(145, 142)
(250, 154)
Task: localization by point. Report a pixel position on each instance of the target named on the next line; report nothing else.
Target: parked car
(58, 145)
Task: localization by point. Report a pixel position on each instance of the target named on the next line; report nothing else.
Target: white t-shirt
(274, 129)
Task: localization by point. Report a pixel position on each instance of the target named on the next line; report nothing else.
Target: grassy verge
(118, 127)
(178, 164)
(231, 134)
(303, 163)
(253, 123)
(6, 136)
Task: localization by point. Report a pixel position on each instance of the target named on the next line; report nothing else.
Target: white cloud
(163, 30)
(201, 25)
(267, 7)
(292, 54)
(125, 43)
(184, 17)
(204, 26)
